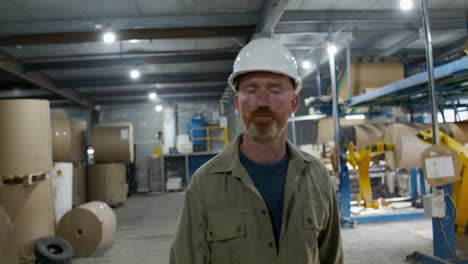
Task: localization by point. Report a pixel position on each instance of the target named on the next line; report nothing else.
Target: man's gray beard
(268, 137)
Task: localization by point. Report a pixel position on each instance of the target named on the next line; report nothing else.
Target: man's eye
(251, 90)
(275, 90)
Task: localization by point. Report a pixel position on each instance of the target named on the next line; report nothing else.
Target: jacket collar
(229, 161)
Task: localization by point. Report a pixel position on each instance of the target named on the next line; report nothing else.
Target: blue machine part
(198, 122)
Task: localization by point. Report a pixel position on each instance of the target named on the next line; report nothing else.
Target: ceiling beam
(155, 59)
(127, 34)
(145, 79)
(117, 23)
(14, 67)
(167, 96)
(407, 40)
(160, 92)
(271, 14)
(152, 87)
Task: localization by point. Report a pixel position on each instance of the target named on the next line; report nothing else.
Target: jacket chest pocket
(314, 216)
(227, 235)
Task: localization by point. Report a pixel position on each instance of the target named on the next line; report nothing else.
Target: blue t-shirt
(269, 179)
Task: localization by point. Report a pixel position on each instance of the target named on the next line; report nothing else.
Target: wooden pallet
(27, 180)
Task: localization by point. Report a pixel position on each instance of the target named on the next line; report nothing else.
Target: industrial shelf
(451, 83)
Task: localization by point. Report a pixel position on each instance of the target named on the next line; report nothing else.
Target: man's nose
(263, 98)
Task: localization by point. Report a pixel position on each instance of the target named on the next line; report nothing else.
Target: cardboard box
(80, 182)
(25, 137)
(78, 145)
(31, 209)
(113, 142)
(368, 75)
(106, 183)
(61, 135)
(8, 251)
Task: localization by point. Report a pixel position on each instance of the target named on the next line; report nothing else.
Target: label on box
(123, 133)
(439, 167)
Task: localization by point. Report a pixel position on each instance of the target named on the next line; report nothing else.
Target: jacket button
(211, 233)
(239, 229)
(309, 220)
(263, 212)
(270, 244)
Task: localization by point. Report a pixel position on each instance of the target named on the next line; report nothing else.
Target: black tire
(53, 250)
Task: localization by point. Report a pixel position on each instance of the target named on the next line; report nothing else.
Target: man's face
(265, 101)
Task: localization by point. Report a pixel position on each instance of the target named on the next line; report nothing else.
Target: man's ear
(236, 101)
(294, 103)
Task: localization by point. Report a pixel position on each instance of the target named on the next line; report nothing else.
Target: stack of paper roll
(61, 135)
(8, 251)
(454, 130)
(78, 144)
(107, 183)
(325, 130)
(368, 134)
(113, 142)
(464, 128)
(80, 182)
(88, 227)
(407, 147)
(31, 210)
(25, 142)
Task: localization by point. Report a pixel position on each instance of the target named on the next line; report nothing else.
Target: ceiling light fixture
(355, 117)
(109, 37)
(152, 96)
(158, 108)
(134, 74)
(406, 5)
(306, 64)
(331, 48)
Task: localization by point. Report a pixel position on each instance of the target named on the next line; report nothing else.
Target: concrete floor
(147, 223)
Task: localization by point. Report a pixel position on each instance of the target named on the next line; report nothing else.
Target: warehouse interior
(107, 109)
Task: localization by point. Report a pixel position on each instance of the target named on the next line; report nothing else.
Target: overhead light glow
(134, 74)
(152, 96)
(355, 117)
(109, 37)
(158, 108)
(306, 64)
(134, 41)
(331, 48)
(406, 5)
(90, 150)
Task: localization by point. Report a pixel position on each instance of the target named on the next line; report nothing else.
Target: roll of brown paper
(80, 184)
(88, 228)
(325, 130)
(368, 134)
(61, 135)
(8, 250)
(464, 129)
(31, 209)
(113, 142)
(78, 140)
(25, 137)
(106, 183)
(407, 147)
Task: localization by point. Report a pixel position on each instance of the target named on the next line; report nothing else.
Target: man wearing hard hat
(261, 200)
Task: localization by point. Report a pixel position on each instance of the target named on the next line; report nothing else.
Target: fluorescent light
(158, 108)
(90, 151)
(313, 116)
(355, 117)
(109, 37)
(331, 48)
(152, 96)
(134, 74)
(306, 64)
(134, 41)
(406, 5)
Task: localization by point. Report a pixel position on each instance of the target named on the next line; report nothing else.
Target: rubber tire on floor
(53, 250)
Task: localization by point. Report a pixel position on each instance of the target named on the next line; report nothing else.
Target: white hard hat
(265, 54)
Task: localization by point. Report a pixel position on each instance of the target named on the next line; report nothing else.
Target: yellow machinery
(361, 160)
(460, 188)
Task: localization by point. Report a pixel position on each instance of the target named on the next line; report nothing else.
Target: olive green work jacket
(225, 220)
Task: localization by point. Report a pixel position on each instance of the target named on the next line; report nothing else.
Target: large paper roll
(88, 228)
(78, 140)
(62, 180)
(80, 184)
(106, 183)
(25, 144)
(407, 147)
(325, 129)
(113, 142)
(31, 210)
(8, 250)
(61, 135)
(368, 134)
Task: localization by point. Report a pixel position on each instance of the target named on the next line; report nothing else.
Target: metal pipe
(348, 71)
(430, 71)
(293, 126)
(336, 117)
(319, 80)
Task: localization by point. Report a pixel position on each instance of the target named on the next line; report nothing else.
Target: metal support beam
(117, 23)
(127, 34)
(156, 59)
(409, 39)
(14, 67)
(145, 79)
(272, 13)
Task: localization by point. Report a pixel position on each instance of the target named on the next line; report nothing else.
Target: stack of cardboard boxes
(113, 146)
